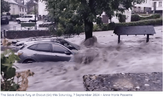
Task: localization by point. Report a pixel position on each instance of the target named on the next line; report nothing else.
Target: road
(13, 25)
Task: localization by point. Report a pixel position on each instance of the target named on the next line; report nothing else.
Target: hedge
(46, 25)
(136, 17)
(111, 26)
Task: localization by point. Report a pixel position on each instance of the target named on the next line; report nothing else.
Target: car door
(62, 53)
(44, 52)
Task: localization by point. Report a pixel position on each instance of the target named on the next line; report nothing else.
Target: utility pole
(35, 3)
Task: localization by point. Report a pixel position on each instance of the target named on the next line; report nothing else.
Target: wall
(14, 9)
(14, 34)
(158, 5)
(42, 8)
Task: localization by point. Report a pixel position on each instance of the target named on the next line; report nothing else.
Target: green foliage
(96, 27)
(121, 18)
(154, 16)
(136, 17)
(111, 26)
(75, 14)
(8, 71)
(5, 6)
(32, 24)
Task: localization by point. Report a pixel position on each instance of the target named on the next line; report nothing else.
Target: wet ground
(132, 55)
(13, 25)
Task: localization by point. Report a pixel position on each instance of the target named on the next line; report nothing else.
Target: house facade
(17, 7)
(42, 8)
(148, 6)
(157, 5)
(115, 19)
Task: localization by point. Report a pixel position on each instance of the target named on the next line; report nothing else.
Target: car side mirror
(68, 52)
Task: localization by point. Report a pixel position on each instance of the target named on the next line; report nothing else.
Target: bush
(104, 27)
(154, 16)
(143, 22)
(46, 25)
(8, 72)
(135, 17)
(121, 18)
(96, 27)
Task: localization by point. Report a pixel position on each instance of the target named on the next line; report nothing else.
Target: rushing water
(133, 55)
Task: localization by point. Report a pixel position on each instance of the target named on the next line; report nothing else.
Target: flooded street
(132, 55)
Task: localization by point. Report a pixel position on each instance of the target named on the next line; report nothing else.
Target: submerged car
(44, 51)
(61, 41)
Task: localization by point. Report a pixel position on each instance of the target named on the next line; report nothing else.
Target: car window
(44, 47)
(59, 49)
(33, 47)
(28, 16)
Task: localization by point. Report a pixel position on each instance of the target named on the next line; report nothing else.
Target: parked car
(68, 44)
(44, 51)
(4, 20)
(26, 18)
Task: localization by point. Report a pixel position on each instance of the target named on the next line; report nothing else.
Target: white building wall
(159, 5)
(42, 8)
(127, 13)
(14, 9)
(150, 4)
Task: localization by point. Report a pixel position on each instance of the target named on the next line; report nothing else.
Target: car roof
(36, 42)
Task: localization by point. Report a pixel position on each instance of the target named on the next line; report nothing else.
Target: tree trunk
(88, 29)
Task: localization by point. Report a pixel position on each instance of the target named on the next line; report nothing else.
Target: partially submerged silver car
(41, 51)
(61, 41)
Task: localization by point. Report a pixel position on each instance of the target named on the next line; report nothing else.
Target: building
(148, 6)
(17, 7)
(157, 5)
(42, 8)
(32, 7)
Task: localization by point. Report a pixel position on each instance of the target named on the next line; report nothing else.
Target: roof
(16, 3)
(11, 1)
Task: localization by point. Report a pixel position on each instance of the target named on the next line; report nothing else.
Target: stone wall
(14, 34)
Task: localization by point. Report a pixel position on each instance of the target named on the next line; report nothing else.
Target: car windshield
(28, 16)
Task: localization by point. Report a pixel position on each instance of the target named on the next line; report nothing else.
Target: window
(33, 47)
(160, 4)
(44, 47)
(59, 49)
(28, 16)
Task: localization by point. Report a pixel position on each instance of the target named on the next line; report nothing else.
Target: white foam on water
(132, 55)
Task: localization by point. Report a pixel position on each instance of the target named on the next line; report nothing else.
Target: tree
(72, 14)
(32, 7)
(5, 6)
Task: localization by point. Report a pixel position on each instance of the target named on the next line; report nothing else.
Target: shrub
(143, 22)
(154, 16)
(135, 17)
(121, 18)
(104, 27)
(46, 25)
(8, 71)
(96, 27)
